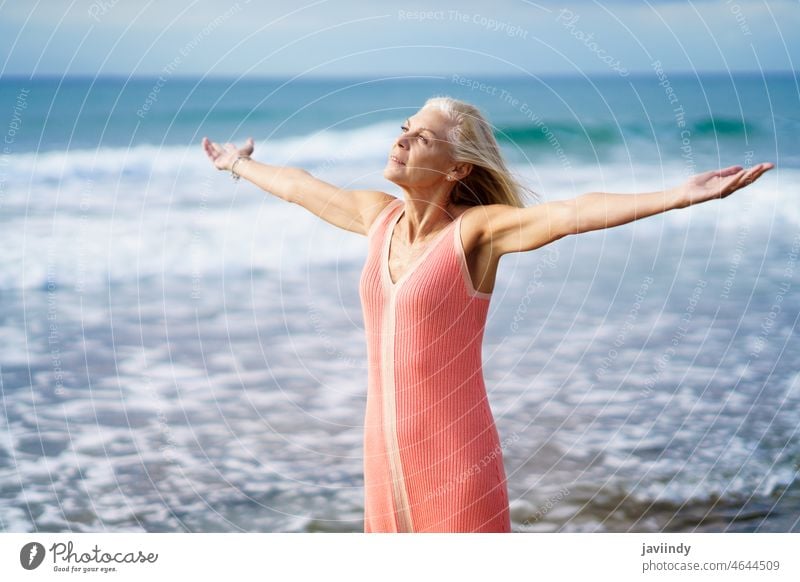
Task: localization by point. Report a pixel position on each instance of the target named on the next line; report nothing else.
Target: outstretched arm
(596, 210)
(510, 230)
(352, 210)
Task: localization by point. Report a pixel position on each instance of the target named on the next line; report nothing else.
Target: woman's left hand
(223, 157)
(721, 183)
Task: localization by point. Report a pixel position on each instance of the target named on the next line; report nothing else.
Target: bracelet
(234, 175)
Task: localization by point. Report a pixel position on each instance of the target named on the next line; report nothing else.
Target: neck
(424, 217)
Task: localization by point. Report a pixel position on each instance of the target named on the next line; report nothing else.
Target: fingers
(758, 168)
(249, 146)
(738, 177)
(755, 172)
(214, 151)
(721, 173)
(211, 148)
(730, 170)
(751, 175)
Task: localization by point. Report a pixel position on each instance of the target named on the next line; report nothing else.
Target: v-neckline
(413, 266)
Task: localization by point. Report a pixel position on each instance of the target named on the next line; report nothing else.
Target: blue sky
(341, 37)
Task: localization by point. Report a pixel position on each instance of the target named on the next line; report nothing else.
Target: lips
(396, 160)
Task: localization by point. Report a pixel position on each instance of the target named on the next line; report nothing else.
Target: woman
(432, 454)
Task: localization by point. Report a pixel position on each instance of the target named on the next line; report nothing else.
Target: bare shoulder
(473, 225)
(371, 203)
(476, 225)
(500, 229)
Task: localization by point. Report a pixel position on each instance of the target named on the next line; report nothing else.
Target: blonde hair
(472, 140)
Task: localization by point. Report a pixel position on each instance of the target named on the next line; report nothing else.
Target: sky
(323, 38)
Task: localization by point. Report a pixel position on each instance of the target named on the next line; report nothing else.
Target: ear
(461, 170)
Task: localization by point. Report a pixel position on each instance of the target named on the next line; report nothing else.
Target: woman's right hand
(223, 157)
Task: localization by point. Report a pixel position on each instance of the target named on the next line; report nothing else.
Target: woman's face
(421, 155)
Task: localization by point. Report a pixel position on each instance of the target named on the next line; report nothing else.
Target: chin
(390, 175)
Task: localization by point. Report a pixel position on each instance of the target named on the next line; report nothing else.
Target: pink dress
(432, 455)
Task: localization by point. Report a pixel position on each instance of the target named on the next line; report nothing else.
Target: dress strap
(383, 215)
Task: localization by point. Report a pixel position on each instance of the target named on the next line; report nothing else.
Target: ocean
(180, 352)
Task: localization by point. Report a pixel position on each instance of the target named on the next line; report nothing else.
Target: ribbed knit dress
(432, 455)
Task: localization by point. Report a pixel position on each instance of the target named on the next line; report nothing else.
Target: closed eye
(422, 138)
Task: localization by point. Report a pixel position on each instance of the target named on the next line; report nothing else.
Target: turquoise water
(182, 353)
(725, 115)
